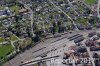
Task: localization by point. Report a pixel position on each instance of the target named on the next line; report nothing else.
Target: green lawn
(13, 38)
(2, 40)
(4, 50)
(90, 2)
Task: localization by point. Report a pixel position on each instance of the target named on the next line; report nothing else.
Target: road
(91, 58)
(64, 13)
(89, 52)
(98, 8)
(31, 16)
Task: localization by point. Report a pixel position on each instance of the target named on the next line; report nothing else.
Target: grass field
(90, 2)
(4, 50)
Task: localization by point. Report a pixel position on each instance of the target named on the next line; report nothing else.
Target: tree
(25, 43)
(16, 18)
(28, 30)
(54, 28)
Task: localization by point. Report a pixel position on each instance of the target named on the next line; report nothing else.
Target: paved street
(64, 13)
(31, 15)
(98, 8)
